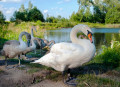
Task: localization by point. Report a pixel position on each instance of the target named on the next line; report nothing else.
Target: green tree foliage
(113, 12)
(2, 18)
(52, 19)
(104, 11)
(30, 6)
(35, 14)
(22, 8)
(30, 14)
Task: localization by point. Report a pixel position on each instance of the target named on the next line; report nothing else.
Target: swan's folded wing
(66, 48)
(12, 42)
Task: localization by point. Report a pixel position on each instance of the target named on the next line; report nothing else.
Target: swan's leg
(19, 64)
(19, 60)
(35, 51)
(70, 80)
(6, 62)
(63, 75)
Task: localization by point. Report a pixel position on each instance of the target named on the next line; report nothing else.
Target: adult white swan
(64, 56)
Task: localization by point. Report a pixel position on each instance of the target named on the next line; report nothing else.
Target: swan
(48, 43)
(12, 48)
(33, 46)
(38, 42)
(64, 56)
(42, 42)
(30, 44)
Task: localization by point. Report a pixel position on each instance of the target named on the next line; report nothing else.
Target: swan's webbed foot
(20, 66)
(9, 67)
(71, 81)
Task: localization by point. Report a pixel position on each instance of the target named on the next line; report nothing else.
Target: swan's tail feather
(36, 61)
(45, 60)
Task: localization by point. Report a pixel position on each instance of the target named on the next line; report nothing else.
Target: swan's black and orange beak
(90, 36)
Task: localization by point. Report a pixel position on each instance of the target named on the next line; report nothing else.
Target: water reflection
(101, 36)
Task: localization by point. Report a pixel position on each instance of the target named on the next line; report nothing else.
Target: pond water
(101, 36)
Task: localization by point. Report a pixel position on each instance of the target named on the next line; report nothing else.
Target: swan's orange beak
(90, 37)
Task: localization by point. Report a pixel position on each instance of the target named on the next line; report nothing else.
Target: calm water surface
(101, 36)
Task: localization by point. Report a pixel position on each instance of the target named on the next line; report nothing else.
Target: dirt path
(48, 83)
(16, 77)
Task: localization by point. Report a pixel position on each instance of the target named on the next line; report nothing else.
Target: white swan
(64, 56)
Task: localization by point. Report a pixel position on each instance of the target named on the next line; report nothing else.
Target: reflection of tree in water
(105, 39)
(58, 36)
(99, 39)
(112, 36)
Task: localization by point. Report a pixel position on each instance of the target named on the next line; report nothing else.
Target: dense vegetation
(11, 31)
(29, 14)
(90, 11)
(2, 18)
(103, 11)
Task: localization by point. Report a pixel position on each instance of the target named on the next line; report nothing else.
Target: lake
(101, 36)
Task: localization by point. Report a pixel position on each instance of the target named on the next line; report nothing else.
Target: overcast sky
(51, 7)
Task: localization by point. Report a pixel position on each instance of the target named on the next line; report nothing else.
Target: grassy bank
(11, 31)
(71, 24)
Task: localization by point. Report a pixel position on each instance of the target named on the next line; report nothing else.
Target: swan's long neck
(20, 37)
(73, 34)
(33, 27)
(33, 43)
(32, 36)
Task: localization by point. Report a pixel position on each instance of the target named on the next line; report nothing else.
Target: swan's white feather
(69, 55)
(63, 56)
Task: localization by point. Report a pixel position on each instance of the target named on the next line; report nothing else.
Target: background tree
(103, 11)
(35, 14)
(29, 14)
(30, 6)
(22, 8)
(113, 12)
(2, 18)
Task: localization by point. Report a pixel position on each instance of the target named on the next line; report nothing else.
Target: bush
(110, 56)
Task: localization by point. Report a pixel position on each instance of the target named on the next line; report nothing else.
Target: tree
(19, 16)
(113, 12)
(30, 6)
(51, 19)
(35, 14)
(22, 8)
(88, 15)
(2, 18)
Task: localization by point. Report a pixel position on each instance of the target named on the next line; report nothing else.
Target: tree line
(94, 11)
(103, 11)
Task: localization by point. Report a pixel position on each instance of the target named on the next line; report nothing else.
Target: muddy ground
(19, 77)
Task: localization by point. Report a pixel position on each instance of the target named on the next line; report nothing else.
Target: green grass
(11, 31)
(90, 80)
(33, 70)
(108, 63)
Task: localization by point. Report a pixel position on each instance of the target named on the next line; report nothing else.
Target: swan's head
(86, 30)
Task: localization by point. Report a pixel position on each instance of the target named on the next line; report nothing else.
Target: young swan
(13, 48)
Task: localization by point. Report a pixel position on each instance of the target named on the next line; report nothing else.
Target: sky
(51, 7)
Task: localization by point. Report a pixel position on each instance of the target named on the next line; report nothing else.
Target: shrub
(110, 56)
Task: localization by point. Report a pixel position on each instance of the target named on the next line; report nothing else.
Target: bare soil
(16, 77)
